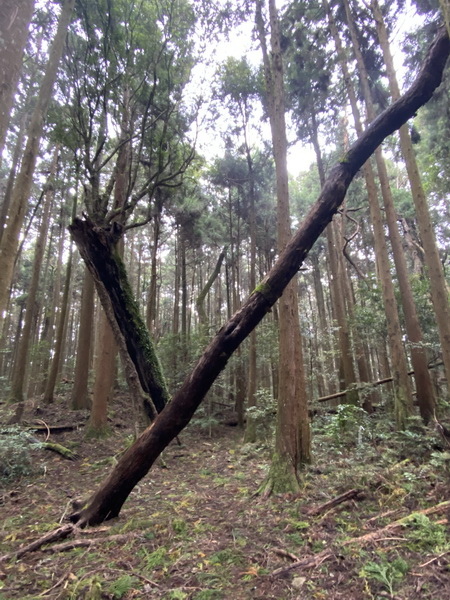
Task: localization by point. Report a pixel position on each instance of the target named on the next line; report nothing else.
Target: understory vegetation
(194, 528)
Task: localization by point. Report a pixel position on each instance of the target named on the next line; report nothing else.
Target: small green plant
(208, 595)
(15, 457)
(425, 535)
(156, 559)
(122, 586)
(180, 526)
(177, 594)
(348, 424)
(226, 556)
(90, 587)
(388, 573)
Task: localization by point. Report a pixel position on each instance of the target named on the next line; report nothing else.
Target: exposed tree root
(82, 543)
(52, 536)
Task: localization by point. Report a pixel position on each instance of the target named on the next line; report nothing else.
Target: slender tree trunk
(347, 369)
(136, 462)
(104, 378)
(60, 330)
(200, 301)
(151, 317)
(292, 439)
(403, 402)
(53, 305)
(438, 288)
(22, 186)
(323, 346)
(12, 175)
(80, 393)
(21, 364)
(15, 17)
(250, 431)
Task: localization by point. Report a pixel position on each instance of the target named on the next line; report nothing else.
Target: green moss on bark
(282, 477)
(144, 339)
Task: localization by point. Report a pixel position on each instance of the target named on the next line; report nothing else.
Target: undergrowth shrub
(15, 454)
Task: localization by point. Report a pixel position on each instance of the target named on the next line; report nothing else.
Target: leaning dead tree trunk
(136, 462)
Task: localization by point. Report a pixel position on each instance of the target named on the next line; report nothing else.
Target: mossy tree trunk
(97, 246)
(107, 502)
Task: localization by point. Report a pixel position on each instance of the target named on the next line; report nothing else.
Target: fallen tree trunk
(362, 386)
(136, 462)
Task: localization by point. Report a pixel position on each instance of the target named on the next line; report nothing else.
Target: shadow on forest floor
(193, 528)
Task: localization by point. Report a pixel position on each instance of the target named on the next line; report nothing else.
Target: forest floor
(194, 528)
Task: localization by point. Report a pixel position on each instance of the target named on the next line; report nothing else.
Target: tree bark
(439, 295)
(292, 437)
(80, 392)
(96, 246)
(21, 190)
(200, 301)
(52, 378)
(403, 402)
(15, 17)
(20, 366)
(104, 378)
(136, 462)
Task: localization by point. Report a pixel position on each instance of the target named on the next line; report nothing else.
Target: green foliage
(155, 560)
(179, 526)
(347, 425)
(386, 572)
(227, 556)
(122, 586)
(208, 595)
(15, 457)
(177, 594)
(87, 587)
(425, 535)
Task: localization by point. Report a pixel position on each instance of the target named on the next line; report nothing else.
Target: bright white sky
(301, 155)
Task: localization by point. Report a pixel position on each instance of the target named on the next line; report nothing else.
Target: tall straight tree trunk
(322, 345)
(15, 17)
(108, 500)
(22, 186)
(151, 316)
(200, 301)
(53, 304)
(347, 369)
(80, 392)
(55, 366)
(12, 175)
(438, 288)
(292, 439)
(104, 368)
(21, 365)
(403, 403)
(250, 431)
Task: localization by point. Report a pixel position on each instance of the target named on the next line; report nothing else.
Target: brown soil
(194, 529)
